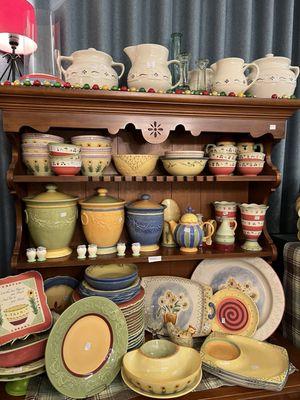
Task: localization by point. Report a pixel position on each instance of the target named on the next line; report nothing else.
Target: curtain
(211, 29)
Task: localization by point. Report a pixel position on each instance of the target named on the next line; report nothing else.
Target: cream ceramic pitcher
(150, 67)
(91, 66)
(229, 75)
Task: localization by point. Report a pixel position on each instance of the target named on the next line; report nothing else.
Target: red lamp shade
(17, 17)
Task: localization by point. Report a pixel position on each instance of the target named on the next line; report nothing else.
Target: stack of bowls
(95, 153)
(222, 158)
(184, 163)
(36, 154)
(250, 164)
(65, 159)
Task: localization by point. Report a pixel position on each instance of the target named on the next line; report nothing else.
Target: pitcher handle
(212, 230)
(259, 146)
(256, 76)
(26, 216)
(234, 225)
(178, 63)
(295, 70)
(60, 59)
(114, 64)
(209, 146)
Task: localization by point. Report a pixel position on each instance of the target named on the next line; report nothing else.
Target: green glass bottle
(176, 38)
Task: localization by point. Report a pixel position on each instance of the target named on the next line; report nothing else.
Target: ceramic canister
(144, 222)
(51, 218)
(102, 218)
(253, 217)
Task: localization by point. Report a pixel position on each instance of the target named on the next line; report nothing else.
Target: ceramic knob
(102, 192)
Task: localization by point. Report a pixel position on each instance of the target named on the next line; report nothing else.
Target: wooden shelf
(167, 254)
(152, 178)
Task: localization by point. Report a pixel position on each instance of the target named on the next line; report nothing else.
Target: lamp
(18, 33)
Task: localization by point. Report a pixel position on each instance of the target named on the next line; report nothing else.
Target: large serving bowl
(65, 165)
(95, 150)
(37, 163)
(144, 222)
(185, 153)
(135, 164)
(17, 315)
(41, 138)
(184, 166)
(102, 218)
(92, 141)
(93, 164)
(51, 218)
(111, 276)
(161, 367)
(63, 149)
(251, 156)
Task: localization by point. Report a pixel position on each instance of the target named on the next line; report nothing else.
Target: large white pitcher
(150, 67)
(229, 75)
(91, 66)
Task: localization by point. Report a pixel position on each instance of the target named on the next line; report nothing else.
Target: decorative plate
(245, 361)
(180, 301)
(59, 291)
(21, 376)
(236, 313)
(160, 396)
(23, 368)
(23, 306)
(85, 347)
(253, 276)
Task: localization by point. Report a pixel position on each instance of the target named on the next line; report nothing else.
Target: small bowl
(222, 156)
(185, 153)
(65, 149)
(111, 276)
(184, 166)
(94, 164)
(250, 168)
(95, 150)
(65, 165)
(38, 164)
(92, 141)
(151, 368)
(228, 149)
(34, 148)
(218, 167)
(251, 156)
(135, 164)
(41, 138)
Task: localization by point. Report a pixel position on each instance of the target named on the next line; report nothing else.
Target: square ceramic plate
(23, 306)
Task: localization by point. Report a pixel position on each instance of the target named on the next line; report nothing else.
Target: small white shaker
(121, 247)
(41, 253)
(81, 251)
(31, 254)
(92, 250)
(136, 249)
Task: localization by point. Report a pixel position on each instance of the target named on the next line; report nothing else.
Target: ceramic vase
(144, 222)
(253, 217)
(102, 218)
(225, 209)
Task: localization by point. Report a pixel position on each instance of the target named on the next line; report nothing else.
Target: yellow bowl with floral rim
(184, 166)
(38, 163)
(135, 164)
(162, 367)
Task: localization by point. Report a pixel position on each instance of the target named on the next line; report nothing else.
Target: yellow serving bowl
(162, 367)
(38, 163)
(184, 166)
(92, 141)
(135, 164)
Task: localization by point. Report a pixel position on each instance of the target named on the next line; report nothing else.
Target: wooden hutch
(132, 119)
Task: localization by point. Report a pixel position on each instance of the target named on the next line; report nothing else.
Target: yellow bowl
(135, 164)
(94, 164)
(184, 166)
(161, 367)
(92, 141)
(38, 163)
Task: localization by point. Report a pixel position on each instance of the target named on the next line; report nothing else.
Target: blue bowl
(111, 276)
(111, 284)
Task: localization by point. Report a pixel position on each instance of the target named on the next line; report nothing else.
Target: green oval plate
(74, 364)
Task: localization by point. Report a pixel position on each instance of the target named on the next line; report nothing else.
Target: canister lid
(102, 199)
(50, 196)
(144, 203)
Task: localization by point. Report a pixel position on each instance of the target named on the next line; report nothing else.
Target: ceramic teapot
(150, 67)
(91, 66)
(229, 76)
(276, 76)
(189, 232)
(225, 233)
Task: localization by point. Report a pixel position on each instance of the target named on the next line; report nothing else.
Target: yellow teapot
(189, 232)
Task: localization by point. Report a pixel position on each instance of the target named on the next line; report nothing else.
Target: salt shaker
(81, 251)
(121, 247)
(31, 254)
(136, 249)
(41, 253)
(92, 250)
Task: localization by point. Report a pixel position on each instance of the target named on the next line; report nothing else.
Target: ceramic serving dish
(180, 301)
(221, 148)
(63, 149)
(250, 168)
(59, 291)
(95, 150)
(183, 166)
(222, 157)
(24, 308)
(251, 156)
(253, 276)
(111, 276)
(97, 329)
(135, 164)
(92, 141)
(93, 164)
(34, 148)
(151, 367)
(65, 165)
(185, 154)
(41, 138)
(218, 167)
(37, 163)
(245, 361)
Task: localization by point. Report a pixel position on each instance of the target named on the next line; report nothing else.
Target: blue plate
(111, 284)
(111, 272)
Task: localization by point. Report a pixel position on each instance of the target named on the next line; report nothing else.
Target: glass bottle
(176, 38)
(184, 59)
(202, 82)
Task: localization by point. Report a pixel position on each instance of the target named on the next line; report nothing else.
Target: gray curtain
(211, 28)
